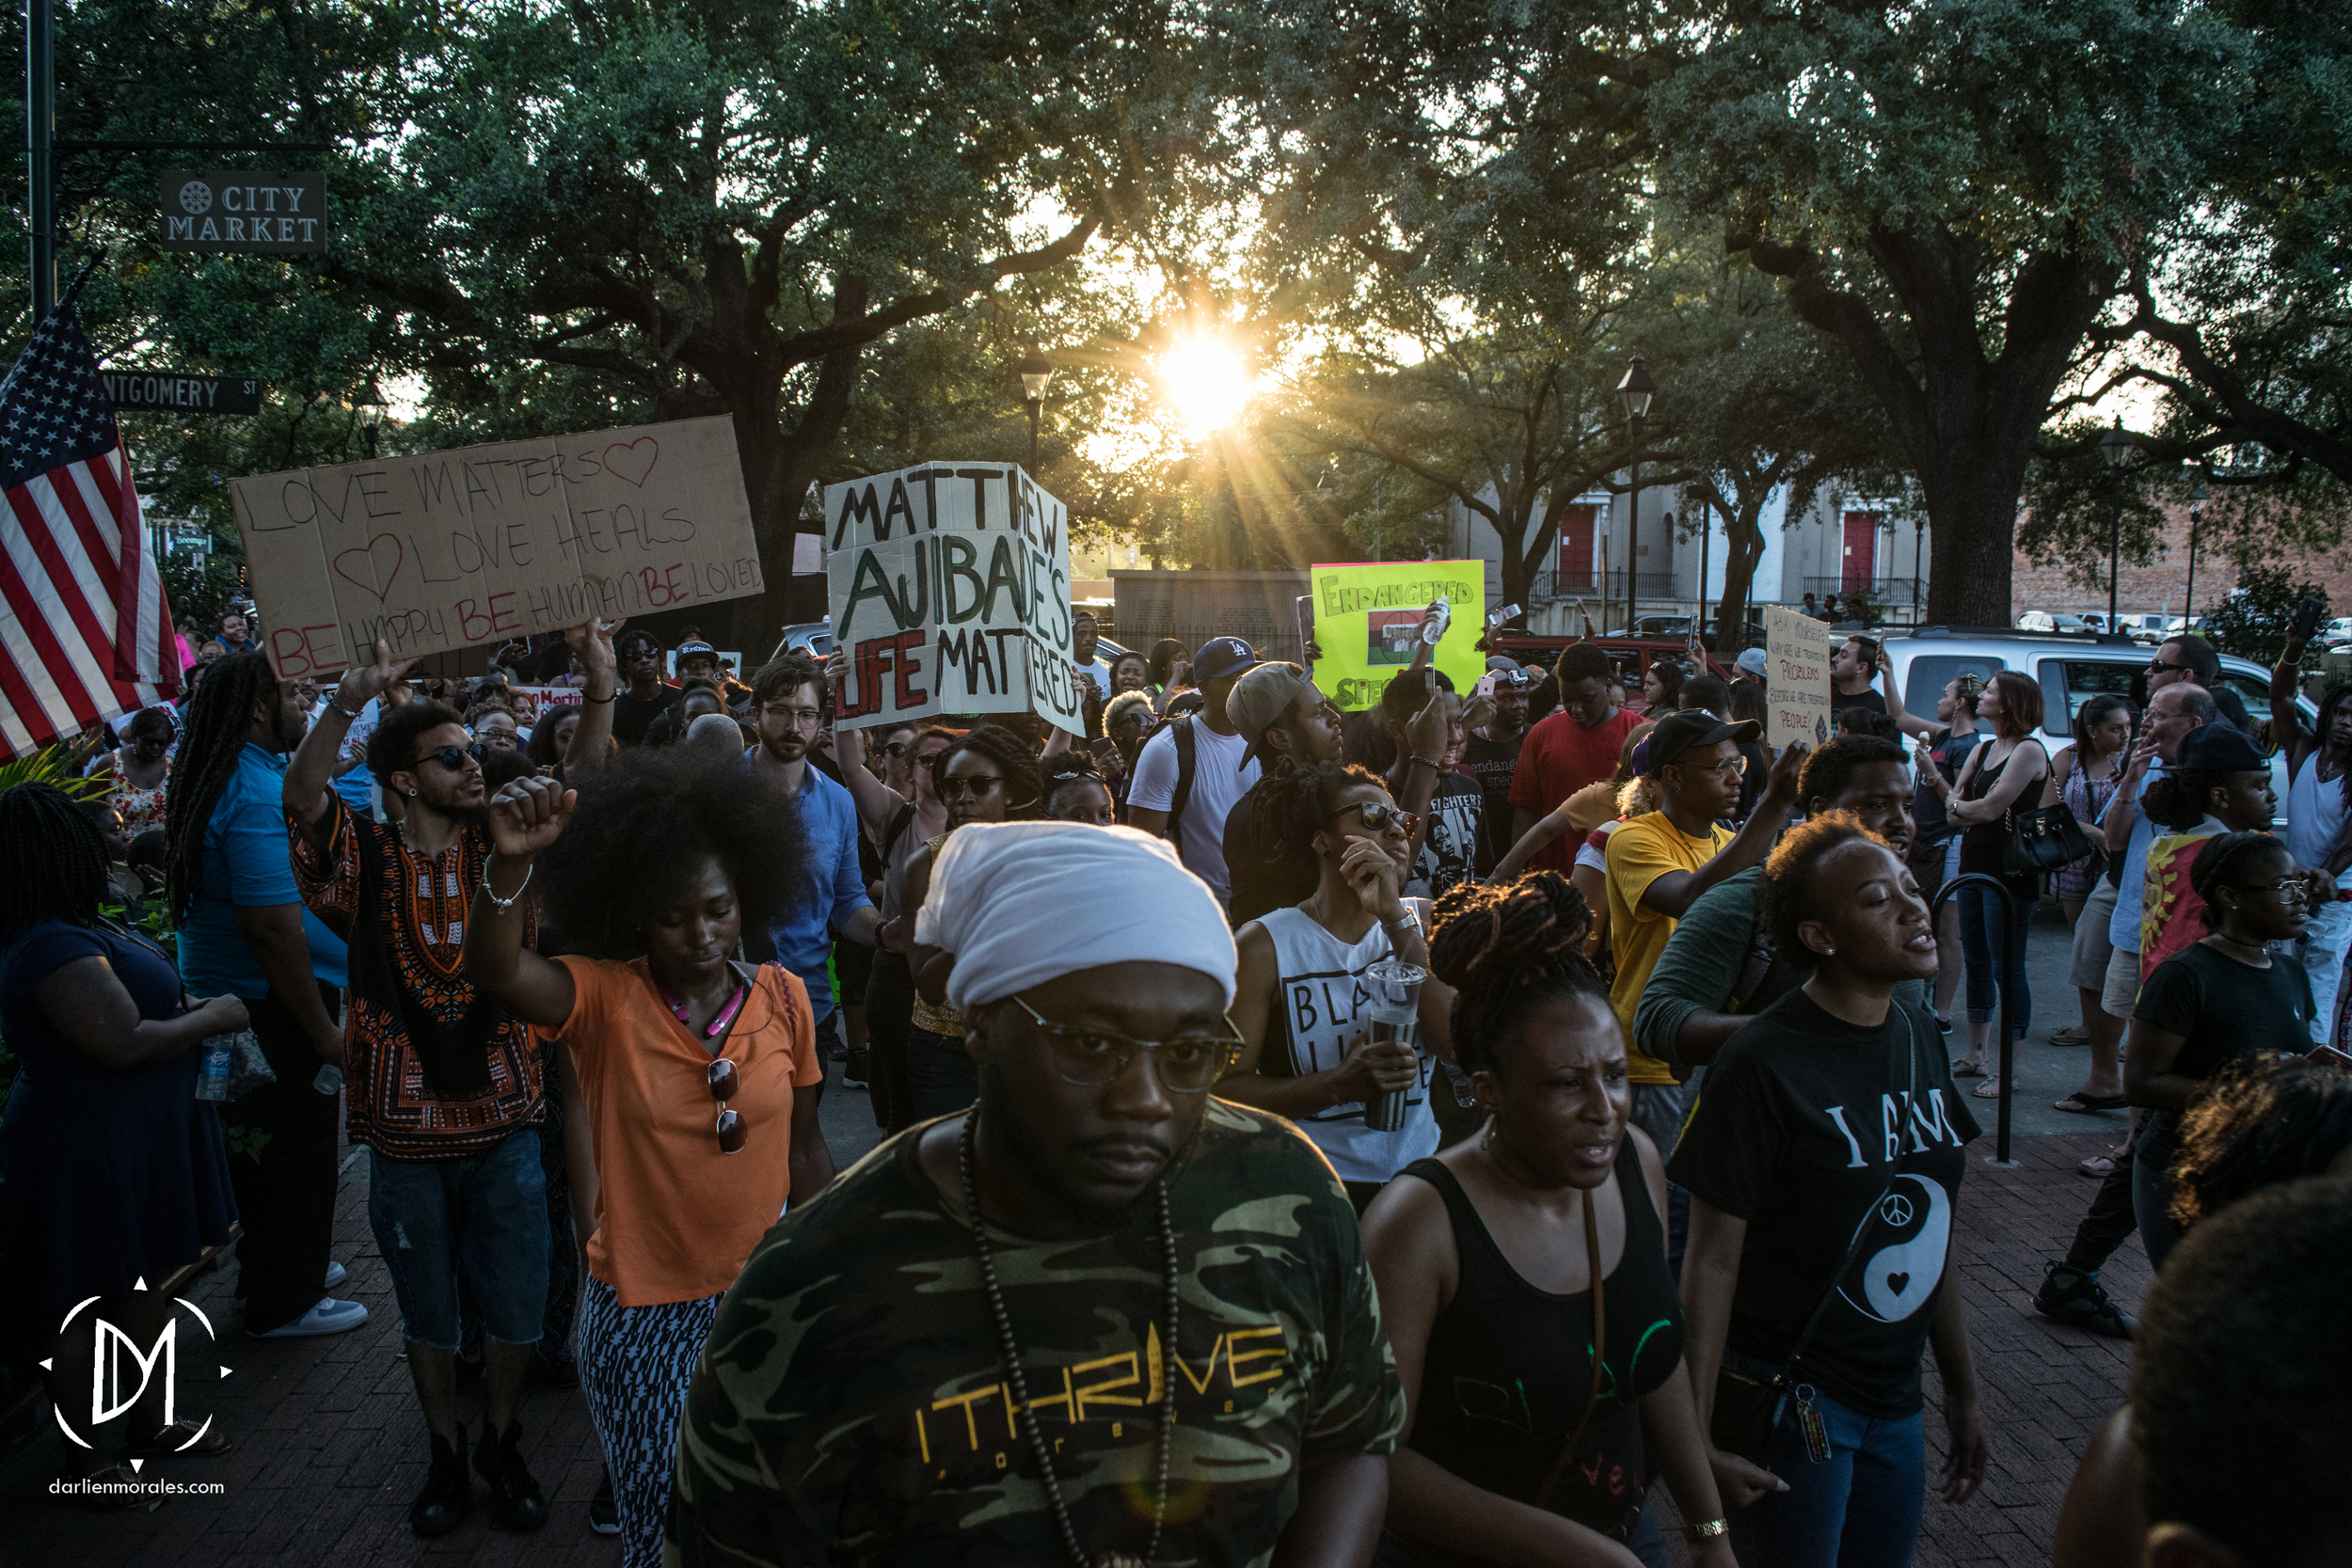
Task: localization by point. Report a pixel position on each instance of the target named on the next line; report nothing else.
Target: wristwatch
(1408, 921)
(1707, 1530)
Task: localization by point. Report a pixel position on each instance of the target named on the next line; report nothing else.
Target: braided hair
(217, 723)
(53, 864)
(1016, 761)
(1068, 772)
(1506, 950)
(2217, 864)
(1294, 803)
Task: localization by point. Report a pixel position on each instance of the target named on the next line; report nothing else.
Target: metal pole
(1992, 889)
(1633, 528)
(1037, 406)
(1918, 543)
(1706, 543)
(2189, 596)
(40, 137)
(2115, 544)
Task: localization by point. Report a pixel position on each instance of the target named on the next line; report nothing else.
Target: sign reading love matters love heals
(450, 549)
(951, 592)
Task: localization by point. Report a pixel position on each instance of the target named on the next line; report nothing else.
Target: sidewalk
(331, 1449)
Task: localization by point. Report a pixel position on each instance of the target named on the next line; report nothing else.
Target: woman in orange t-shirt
(685, 1133)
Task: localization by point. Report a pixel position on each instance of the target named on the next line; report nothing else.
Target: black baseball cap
(2221, 749)
(1678, 732)
(1220, 656)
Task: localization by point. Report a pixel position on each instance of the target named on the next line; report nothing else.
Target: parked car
(813, 637)
(2337, 631)
(1630, 656)
(2070, 671)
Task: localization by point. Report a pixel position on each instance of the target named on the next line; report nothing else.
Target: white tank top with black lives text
(1320, 1007)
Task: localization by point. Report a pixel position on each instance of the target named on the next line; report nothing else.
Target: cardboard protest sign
(951, 592)
(1367, 619)
(450, 549)
(1796, 679)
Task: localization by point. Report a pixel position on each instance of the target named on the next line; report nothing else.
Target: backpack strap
(1187, 762)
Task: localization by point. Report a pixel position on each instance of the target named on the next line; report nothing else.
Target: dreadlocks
(219, 720)
(52, 864)
(1506, 950)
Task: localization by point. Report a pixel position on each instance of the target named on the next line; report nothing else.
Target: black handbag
(2046, 839)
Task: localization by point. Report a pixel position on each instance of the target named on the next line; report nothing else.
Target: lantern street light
(372, 409)
(1636, 389)
(2115, 448)
(1035, 371)
(2188, 596)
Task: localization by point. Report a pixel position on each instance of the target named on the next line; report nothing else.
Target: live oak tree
(1956, 190)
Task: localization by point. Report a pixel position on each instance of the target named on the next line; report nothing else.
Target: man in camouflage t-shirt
(854, 1404)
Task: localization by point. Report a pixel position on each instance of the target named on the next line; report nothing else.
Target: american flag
(84, 633)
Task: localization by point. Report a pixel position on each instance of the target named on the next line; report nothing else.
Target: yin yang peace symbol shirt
(1797, 1123)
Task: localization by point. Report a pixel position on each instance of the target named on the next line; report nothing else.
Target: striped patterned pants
(634, 1365)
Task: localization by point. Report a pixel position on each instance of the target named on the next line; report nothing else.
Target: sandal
(175, 1439)
(2073, 1034)
(1962, 1069)
(1991, 1088)
(2081, 1104)
(2098, 1168)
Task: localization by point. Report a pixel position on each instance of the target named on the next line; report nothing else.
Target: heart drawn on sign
(640, 455)
(379, 579)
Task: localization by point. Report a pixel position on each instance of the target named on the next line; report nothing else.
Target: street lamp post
(370, 407)
(1035, 371)
(2188, 594)
(1637, 389)
(2115, 448)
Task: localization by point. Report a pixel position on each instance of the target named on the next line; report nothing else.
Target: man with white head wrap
(1161, 1342)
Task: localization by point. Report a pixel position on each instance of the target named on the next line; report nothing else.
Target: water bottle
(1435, 628)
(212, 1073)
(330, 1078)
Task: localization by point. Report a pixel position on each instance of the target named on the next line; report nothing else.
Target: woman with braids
(116, 1174)
(1512, 1253)
(2213, 1002)
(1824, 1159)
(989, 775)
(682, 1065)
(1299, 1001)
(243, 932)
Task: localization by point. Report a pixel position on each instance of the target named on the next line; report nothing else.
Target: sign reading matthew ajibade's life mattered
(951, 592)
(453, 549)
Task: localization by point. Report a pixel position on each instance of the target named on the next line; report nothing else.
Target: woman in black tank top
(1520, 1446)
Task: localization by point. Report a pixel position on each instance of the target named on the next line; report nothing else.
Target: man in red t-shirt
(1568, 749)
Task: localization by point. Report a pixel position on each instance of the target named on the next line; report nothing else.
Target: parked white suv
(2069, 670)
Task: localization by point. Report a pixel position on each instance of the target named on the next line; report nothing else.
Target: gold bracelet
(1707, 1530)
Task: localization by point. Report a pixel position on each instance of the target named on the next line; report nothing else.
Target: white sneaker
(336, 1274)
(328, 1316)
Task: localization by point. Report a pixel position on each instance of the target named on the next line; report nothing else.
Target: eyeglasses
(1736, 765)
(799, 718)
(731, 1129)
(976, 786)
(451, 757)
(896, 748)
(1377, 818)
(1090, 1058)
(2157, 667)
(2291, 890)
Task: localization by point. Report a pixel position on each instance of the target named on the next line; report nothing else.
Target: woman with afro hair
(684, 1120)
(1493, 1267)
(989, 775)
(1299, 999)
(1824, 1160)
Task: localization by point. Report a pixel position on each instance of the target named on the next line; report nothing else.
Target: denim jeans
(2152, 1186)
(1980, 916)
(2326, 942)
(942, 1078)
(1660, 1110)
(1860, 1508)
(489, 1210)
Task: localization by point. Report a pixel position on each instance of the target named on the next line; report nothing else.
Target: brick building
(2159, 587)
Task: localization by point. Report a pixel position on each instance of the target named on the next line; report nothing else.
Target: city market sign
(244, 211)
(146, 390)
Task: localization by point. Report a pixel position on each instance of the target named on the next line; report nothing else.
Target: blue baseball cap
(1220, 656)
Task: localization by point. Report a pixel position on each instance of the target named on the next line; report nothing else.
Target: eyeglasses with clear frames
(1190, 1064)
(2290, 890)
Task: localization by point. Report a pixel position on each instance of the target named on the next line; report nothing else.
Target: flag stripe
(70, 609)
(48, 705)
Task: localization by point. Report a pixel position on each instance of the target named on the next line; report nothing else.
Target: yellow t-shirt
(1639, 853)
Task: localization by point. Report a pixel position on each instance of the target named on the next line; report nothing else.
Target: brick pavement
(329, 1447)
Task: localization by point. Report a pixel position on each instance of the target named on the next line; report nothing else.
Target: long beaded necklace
(1010, 1349)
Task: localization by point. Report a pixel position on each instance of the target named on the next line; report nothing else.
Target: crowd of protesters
(1654, 1180)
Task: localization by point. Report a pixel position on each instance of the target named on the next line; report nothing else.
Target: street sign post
(174, 392)
(243, 212)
